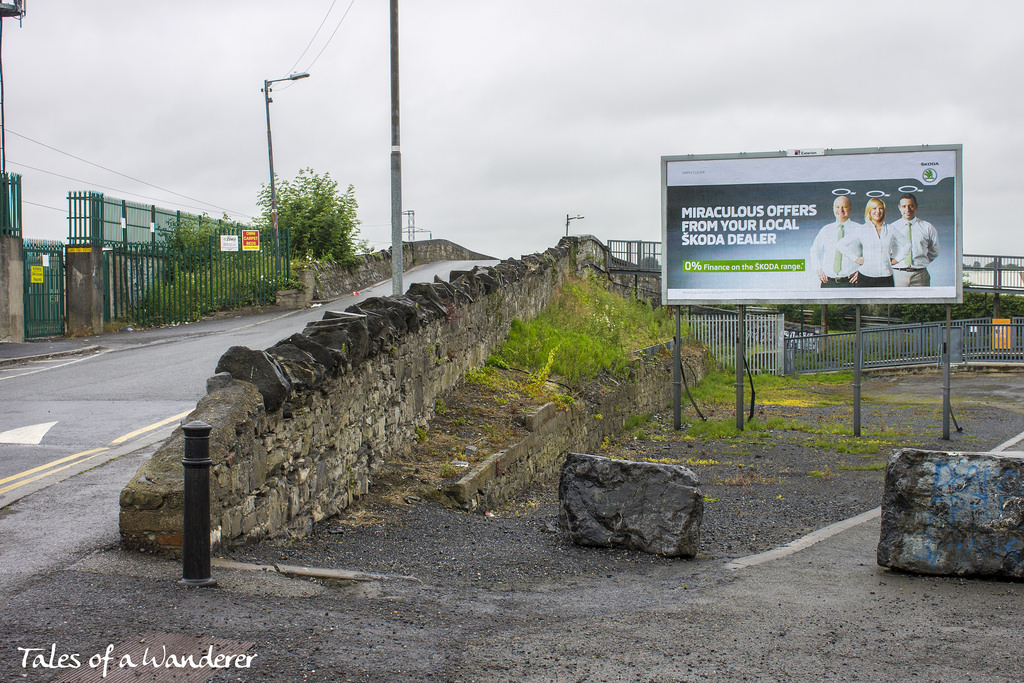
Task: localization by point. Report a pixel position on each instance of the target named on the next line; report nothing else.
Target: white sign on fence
(229, 242)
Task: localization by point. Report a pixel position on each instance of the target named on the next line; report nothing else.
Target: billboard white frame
(741, 228)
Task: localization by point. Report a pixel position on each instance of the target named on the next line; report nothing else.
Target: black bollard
(195, 546)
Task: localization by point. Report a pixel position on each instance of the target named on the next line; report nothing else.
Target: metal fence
(161, 283)
(634, 255)
(764, 339)
(44, 288)
(990, 342)
(773, 349)
(972, 341)
(162, 267)
(96, 219)
(10, 205)
(984, 273)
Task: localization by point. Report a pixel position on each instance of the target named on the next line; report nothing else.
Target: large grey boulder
(646, 506)
(953, 513)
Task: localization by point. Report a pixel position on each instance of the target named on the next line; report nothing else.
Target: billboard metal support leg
(741, 340)
(677, 391)
(946, 407)
(858, 364)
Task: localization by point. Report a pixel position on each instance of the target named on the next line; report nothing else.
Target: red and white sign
(250, 240)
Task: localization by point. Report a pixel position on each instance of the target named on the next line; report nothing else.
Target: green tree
(189, 231)
(322, 221)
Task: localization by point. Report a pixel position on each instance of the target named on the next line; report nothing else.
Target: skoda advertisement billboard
(813, 226)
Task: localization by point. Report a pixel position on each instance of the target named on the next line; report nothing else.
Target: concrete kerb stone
(295, 571)
(47, 356)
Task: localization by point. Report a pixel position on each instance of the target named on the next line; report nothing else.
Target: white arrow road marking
(27, 436)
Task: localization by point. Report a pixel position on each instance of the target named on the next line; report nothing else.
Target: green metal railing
(163, 267)
(10, 205)
(161, 283)
(94, 218)
(44, 288)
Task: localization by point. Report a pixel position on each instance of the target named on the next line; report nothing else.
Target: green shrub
(584, 332)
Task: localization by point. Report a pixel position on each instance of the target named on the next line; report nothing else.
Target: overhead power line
(316, 33)
(124, 175)
(45, 206)
(113, 189)
(332, 35)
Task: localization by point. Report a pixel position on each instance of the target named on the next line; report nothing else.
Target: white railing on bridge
(764, 339)
(982, 272)
(634, 255)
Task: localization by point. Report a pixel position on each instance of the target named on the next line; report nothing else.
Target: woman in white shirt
(874, 247)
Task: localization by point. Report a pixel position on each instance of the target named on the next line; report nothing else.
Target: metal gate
(44, 289)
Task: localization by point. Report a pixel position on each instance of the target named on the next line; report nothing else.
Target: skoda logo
(929, 175)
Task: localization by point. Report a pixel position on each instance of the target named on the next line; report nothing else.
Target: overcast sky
(514, 112)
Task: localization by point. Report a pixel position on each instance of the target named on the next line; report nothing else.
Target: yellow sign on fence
(36, 275)
(1001, 333)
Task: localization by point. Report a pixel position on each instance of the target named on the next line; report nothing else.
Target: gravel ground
(763, 491)
(469, 597)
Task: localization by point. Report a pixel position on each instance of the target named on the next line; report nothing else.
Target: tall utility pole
(410, 229)
(396, 164)
(16, 8)
(270, 154)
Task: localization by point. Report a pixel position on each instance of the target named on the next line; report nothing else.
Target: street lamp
(567, 219)
(270, 152)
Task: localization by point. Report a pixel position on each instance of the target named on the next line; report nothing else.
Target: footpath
(50, 347)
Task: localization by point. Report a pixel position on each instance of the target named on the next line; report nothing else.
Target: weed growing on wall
(584, 332)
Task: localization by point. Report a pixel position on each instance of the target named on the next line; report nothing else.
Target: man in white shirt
(831, 266)
(912, 271)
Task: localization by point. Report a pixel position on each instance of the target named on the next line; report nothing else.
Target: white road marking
(804, 542)
(810, 539)
(31, 435)
(54, 367)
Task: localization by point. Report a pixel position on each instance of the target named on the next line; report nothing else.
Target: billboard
(813, 226)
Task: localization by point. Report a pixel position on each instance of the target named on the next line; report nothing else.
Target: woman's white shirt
(876, 247)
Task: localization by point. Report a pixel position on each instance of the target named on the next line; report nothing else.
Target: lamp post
(397, 265)
(270, 152)
(570, 218)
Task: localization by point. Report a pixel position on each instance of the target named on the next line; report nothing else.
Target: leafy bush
(322, 221)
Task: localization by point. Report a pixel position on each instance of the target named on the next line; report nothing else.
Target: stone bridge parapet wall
(300, 429)
(554, 431)
(332, 281)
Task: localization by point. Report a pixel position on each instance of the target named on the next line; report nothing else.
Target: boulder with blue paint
(953, 513)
